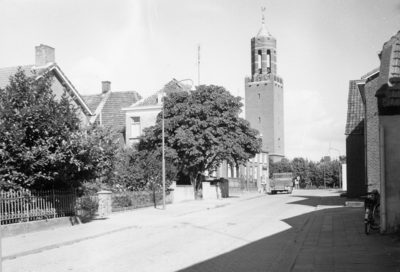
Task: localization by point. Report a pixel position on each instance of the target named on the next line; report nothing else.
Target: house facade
(107, 107)
(45, 63)
(373, 132)
(143, 113)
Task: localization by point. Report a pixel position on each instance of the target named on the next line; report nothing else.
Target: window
(269, 61)
(259, 119)
(259, 61)
(259, 96)
(135, 127)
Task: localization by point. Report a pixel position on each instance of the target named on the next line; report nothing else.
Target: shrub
(120, 201)
(89, 205)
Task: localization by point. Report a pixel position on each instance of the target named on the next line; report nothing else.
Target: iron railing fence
(25, 205)
(240, 185)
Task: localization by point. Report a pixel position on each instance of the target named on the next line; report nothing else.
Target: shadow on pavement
(321, 240)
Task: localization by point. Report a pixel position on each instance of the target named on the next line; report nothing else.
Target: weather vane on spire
(263, 11)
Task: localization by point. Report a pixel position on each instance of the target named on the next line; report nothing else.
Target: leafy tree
(300, 168)
(41, 143)
(203, 127)
(282, 166)
(146, 170)
(318, 173)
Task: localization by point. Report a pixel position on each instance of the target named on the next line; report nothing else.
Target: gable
(112, 114)
(355, 110)
(93, 101)
(171, 87)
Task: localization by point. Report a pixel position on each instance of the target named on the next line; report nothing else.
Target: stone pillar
(225, 170)
(104, 203)
(253, 172)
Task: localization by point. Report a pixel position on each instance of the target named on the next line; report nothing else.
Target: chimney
(44, 54)
(106, 86)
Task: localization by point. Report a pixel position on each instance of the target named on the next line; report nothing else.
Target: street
(248, 235)
(258, 234)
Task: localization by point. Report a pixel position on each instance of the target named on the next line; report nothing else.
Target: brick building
(264, 94)
(107, 107)
(373, 132)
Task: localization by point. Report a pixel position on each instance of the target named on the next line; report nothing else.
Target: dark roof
(389, 94)
(112, 114)
(171, 87)
(369, 74)
(5, 73)
(92, 101)
(355, 110)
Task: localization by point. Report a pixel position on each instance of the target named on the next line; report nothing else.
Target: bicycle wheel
(376, 224)
(367, 220)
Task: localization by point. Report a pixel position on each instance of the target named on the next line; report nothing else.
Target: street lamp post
(192, 88)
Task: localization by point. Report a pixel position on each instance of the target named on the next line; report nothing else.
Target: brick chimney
(44, 54)
(105, 87)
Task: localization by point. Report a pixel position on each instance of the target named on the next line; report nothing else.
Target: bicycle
(372, 212)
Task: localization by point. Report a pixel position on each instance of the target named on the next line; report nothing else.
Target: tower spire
(263, 31)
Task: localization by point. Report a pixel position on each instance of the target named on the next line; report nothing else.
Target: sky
(142, 45)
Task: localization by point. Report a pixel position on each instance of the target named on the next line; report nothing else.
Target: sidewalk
(334, 239)
(22, 245)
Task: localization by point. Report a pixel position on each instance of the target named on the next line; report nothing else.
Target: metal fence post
(54, 203)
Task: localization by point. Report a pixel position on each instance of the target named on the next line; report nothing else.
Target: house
(373, 132)
(107, 107)
(45, 63)
(143, 113)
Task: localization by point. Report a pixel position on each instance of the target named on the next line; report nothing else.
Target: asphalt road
(246, 236)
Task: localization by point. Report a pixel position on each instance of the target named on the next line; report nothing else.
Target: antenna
(198, 64)
(263, 12)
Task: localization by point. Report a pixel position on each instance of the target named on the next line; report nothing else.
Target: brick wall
(372, 134)
(264, 100)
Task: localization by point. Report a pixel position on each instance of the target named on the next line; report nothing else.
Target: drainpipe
(382, 177)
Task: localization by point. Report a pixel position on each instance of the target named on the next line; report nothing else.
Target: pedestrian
(263, 189)
(296, 182)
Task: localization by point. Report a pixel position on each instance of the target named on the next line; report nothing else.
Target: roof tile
(112, 114)
(92, 101)
(5, 73)
(355, 110)
(171, 87)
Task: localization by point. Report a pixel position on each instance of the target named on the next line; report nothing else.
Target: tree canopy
(41, 141)
(203, 128)
(314, 173)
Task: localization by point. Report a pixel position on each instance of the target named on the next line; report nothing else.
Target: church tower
(264, 94)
